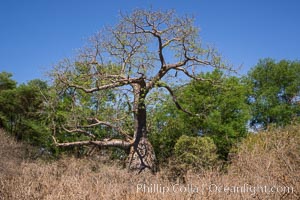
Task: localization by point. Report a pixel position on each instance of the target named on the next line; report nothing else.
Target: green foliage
(7, 86)
(220, 112)
(69, 108)
(164, 134)
(8, 107)
(165, 127)
(220, 105)
(6, 82)
(196, 152)
(275, 92)
(22, 111)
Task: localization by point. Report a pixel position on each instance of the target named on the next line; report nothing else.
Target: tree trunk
(142, 155)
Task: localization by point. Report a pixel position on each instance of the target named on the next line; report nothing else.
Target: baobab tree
(143, 52)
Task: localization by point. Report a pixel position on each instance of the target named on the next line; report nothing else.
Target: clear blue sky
(36, 34)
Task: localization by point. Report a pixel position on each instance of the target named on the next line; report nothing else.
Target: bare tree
(145, 50)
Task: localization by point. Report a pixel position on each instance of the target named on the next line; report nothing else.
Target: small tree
(144, 51)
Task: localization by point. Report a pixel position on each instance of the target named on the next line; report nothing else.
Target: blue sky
(36, 34)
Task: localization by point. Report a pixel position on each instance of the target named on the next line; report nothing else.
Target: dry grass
(267, 159)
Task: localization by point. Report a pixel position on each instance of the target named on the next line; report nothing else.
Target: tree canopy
(144, 51)
(275, 93)
(22, 110)
(221, 112)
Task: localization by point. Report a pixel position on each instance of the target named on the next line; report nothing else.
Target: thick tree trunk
(142, 155)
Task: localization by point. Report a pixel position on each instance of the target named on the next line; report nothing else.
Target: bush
(196, 152)
(270, 157)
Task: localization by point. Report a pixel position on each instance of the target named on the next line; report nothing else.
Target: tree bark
(142, 155)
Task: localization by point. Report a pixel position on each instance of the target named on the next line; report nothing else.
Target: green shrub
(196, 152)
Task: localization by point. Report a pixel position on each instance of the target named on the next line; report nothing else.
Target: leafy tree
(144, 51)
(220, 105)
(22, 110)
(275, 92)
(6, 83)
(165, 128)
(8, 107)
(31, 115)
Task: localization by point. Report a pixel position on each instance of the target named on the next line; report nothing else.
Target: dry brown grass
(262, 161)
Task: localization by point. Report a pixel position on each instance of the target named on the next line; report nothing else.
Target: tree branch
(115, 84)
(78, 130)
(192, 76)
(119, 130)
(105, 143)
(174, 98)
(163, 71)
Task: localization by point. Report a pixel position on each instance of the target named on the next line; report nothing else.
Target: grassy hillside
(265, 166)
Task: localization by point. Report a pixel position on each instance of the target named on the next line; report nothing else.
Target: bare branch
(78, 130)
(118, 129)
(116, 83)
(192, 76)
(168, 42)
(105, 143)
(174, 98)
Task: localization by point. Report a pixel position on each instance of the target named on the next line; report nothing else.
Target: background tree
(221, 112)
(275, 93)
(32, 125)
(6, 82)
(22, 110)
(144, 51)
(7, 86)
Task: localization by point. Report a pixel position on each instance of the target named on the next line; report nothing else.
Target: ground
(262, 161)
